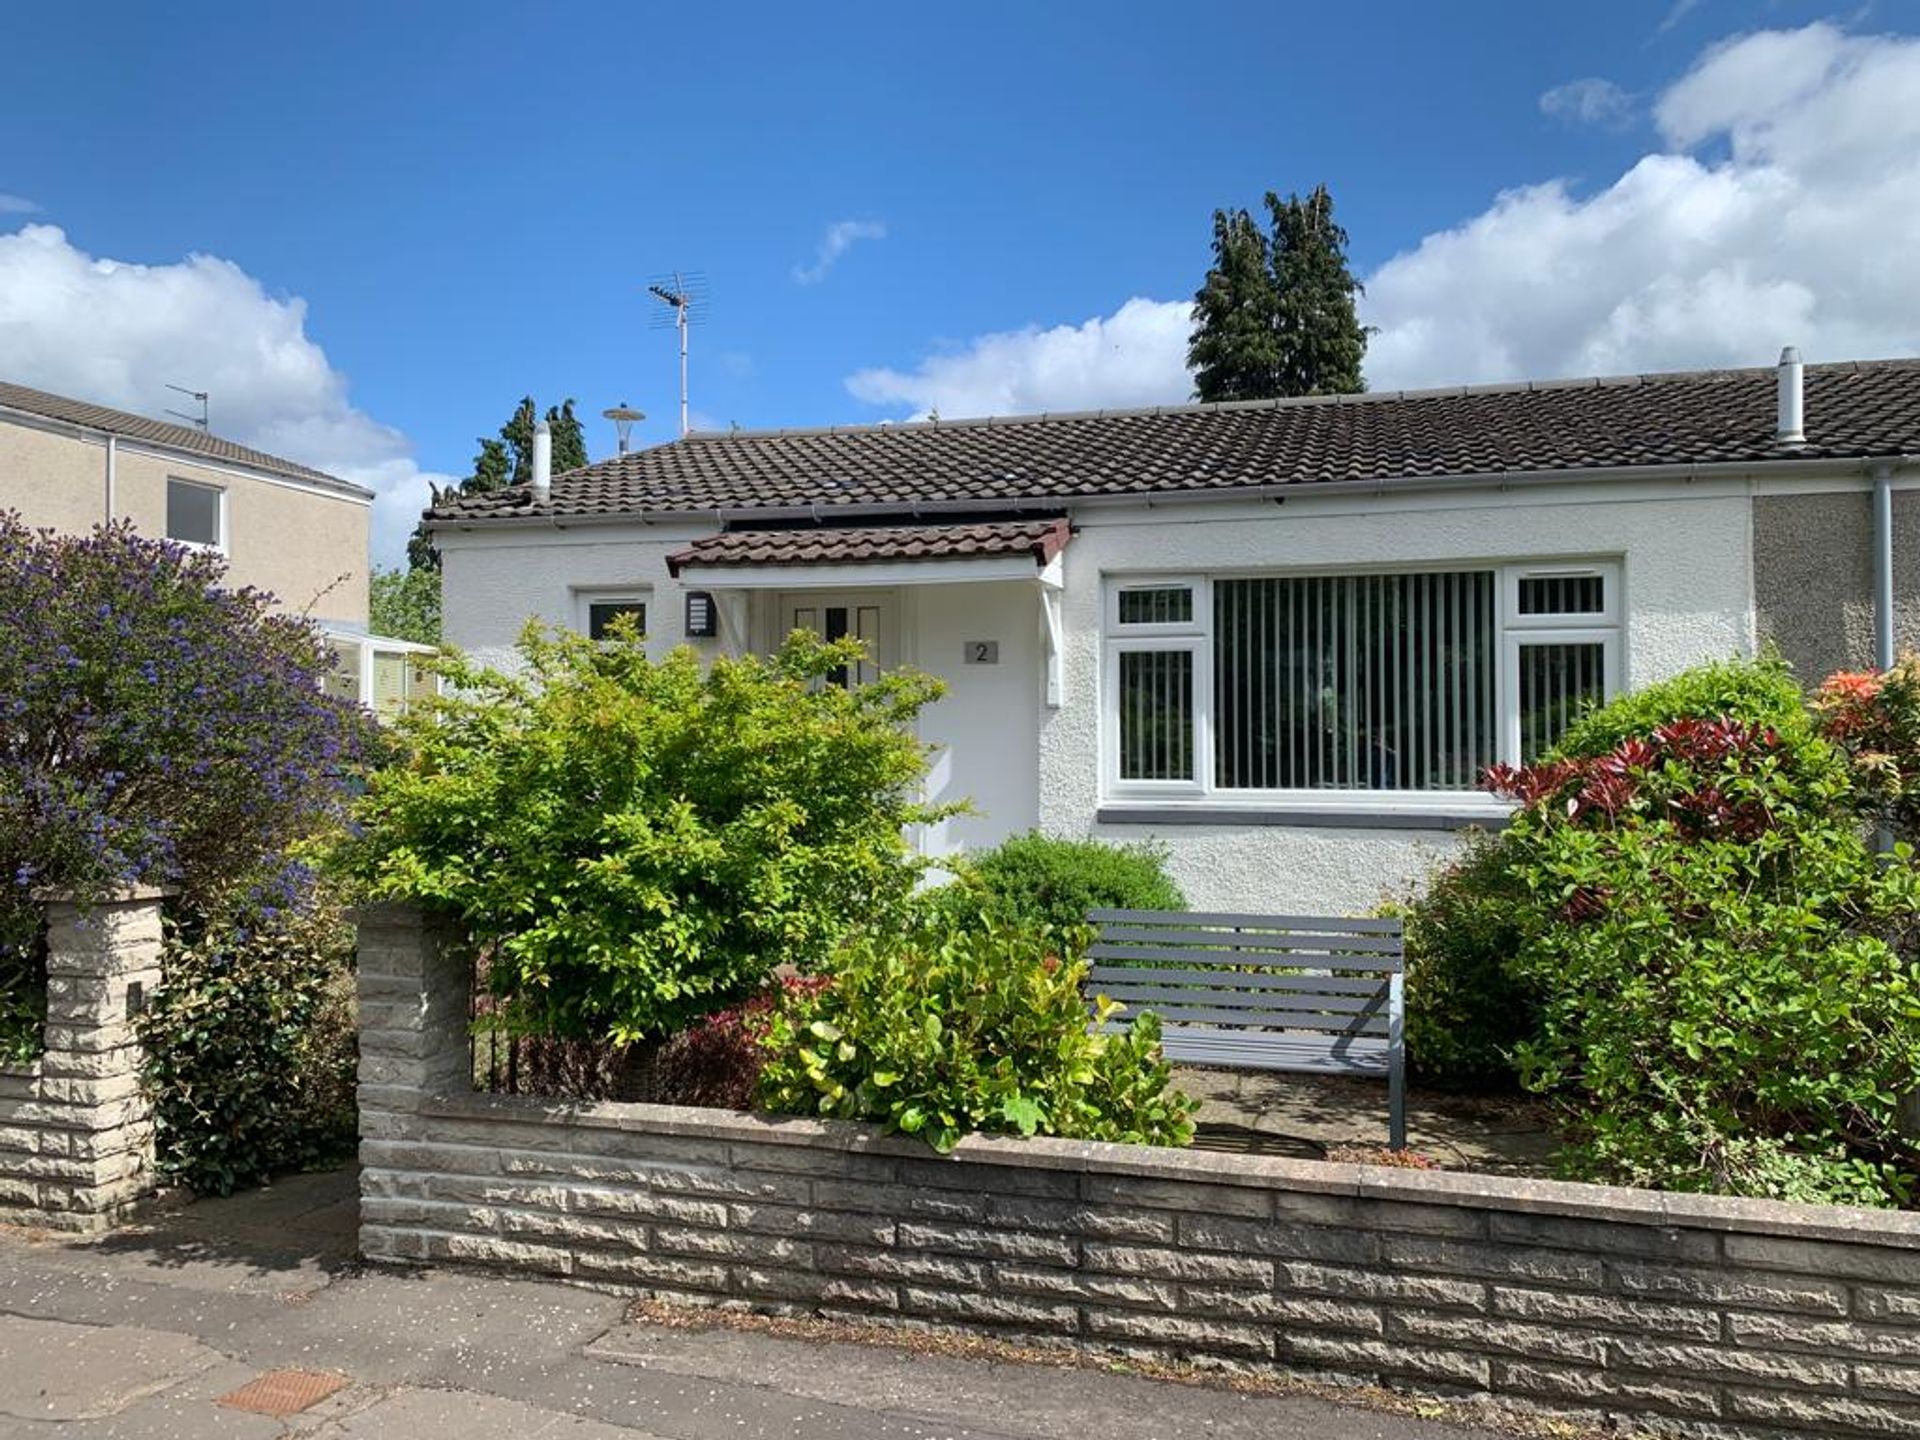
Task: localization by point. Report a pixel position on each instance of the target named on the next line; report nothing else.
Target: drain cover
(283, 1392)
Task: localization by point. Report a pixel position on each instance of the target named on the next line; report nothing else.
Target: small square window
(193, 513)
(602, 613)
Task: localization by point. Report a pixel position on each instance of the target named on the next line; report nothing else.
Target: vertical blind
(1556, 684)
(1355, 682)
(1156, 715)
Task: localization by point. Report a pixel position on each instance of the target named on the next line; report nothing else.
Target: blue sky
(412, 214)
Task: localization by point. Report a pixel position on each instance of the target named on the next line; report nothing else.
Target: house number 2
(983, 652)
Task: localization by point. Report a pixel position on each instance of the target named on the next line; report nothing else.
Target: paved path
(132, 1337)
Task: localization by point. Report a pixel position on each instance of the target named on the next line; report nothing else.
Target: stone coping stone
(1773, 1218)
(125, 895)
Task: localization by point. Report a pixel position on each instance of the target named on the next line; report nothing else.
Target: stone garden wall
(1694, 1314)
(76, 1136)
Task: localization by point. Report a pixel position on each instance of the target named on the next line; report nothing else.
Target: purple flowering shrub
(156, 728)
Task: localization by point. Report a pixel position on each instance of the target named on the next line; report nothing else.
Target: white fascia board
(859, 577)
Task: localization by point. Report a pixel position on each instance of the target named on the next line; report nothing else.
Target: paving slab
(459, 1415)
(59, 1371)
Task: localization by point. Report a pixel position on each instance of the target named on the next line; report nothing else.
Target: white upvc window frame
(219, 545)
(1513, 632)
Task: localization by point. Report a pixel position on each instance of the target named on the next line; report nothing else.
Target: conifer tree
(1276, 315)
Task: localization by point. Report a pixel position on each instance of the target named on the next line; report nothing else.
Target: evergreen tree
(1234, 352)
(1322, 342)
(492, 469)
(1276, 314)
(517, 434)
(569, 440)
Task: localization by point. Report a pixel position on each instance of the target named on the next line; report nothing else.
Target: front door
(866, 618)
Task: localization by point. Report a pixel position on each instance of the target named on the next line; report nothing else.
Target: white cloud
(1135, 356)
(838, 239)
(1803, 228)
(1784, 210)
(17, 205)
(1679, 11)
(117, 334)
(1591, 101)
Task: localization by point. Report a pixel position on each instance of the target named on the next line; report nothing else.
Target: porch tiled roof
(826, 545)
(1857, 409)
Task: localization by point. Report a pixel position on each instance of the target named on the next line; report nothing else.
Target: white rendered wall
(493, 581)
(1688, 593)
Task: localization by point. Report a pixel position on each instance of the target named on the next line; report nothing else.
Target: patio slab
(1304, 1116)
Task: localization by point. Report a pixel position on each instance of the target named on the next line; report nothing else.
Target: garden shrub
(252, 1045)
(1043, 882)
(717, 1060)
(156, 728)
(970, 1028)
(1728, 976)
(1466, 1008)
(1874, 717)
(638, 842)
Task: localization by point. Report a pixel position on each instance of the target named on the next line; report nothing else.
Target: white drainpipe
(113, 453)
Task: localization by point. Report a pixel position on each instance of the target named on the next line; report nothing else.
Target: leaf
(1022, 1112)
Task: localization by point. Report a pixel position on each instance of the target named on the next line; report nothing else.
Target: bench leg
(1397, 1102)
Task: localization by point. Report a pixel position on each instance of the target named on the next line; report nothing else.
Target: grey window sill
(1327, 818)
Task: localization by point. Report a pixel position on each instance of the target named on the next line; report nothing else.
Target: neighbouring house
(1281, 639)
(293, 531)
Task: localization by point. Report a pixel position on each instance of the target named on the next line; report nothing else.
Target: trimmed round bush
(1044, 882)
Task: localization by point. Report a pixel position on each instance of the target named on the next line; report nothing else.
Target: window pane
(193, 513)
(1562, 595)
(1156, 715)
(601, 613)
(1355, 682)
(1557, 682)
(1167, 605)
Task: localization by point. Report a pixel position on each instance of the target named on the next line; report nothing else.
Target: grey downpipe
(1883, 567)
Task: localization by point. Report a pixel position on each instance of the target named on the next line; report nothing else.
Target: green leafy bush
(638, 842)
(1874, 717)
(1728, 976)
(405, 604)
(251, 1044)
(1466, 1008)
(1043, 882)
(970, 1029)
(23, 998)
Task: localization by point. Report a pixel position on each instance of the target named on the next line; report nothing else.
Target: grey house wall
(1813, 578)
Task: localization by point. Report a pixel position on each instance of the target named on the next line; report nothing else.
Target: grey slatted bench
(1300, 993)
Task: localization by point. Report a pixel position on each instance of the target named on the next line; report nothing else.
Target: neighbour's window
(1377, 682)
(602, 613)
(194, 513)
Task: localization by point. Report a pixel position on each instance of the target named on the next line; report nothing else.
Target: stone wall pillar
(415, 1007)
(76, 1131)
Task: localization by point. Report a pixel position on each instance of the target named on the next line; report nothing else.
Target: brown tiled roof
(160, 432)
(1689, 418)
(826, 545)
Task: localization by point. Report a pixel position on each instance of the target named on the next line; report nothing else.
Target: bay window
(1370, 683)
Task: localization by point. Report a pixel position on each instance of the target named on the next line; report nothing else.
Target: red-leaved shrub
(716, 1061)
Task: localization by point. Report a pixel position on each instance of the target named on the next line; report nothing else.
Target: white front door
(866, 617)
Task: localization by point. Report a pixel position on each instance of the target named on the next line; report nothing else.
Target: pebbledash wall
(1696, 1315)
(76, 1134)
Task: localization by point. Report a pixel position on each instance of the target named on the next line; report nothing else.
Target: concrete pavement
(137, 1336)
